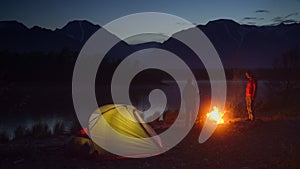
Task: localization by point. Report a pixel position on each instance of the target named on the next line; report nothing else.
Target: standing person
(250, 94)
(189, 96)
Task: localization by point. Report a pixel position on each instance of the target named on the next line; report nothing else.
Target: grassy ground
(266, 143)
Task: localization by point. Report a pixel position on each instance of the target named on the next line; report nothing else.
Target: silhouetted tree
(287, 68)
(4, 137)
(285, 83)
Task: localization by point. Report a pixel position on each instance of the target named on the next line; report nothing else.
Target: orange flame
(216, 116)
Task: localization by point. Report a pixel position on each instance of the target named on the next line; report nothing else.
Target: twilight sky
(56, 13)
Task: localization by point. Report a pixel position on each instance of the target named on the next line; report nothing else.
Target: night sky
(56, 13)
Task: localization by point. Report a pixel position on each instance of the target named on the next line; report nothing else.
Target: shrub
(20, 132)
(40, 130)
(76, 127)
(4, 137)
(59, 128)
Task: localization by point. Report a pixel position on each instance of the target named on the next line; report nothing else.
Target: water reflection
(56, 103)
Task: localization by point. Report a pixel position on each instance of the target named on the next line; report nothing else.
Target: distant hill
(15, 37)
(238, 45)
(78, 30)
(251, 46)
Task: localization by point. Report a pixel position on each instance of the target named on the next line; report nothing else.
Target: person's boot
(251, 117)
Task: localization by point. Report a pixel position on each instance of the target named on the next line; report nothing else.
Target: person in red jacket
(250, 94)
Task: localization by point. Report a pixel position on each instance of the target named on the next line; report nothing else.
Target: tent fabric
(84, 146)
(126, 121)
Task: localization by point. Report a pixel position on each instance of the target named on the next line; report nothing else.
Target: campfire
(216, 116)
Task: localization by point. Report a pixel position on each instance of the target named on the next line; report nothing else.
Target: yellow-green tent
(119, 128)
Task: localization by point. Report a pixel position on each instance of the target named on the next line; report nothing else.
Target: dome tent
(121, 127)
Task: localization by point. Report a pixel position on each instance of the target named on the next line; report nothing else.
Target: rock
(245, 168)
(19, 161)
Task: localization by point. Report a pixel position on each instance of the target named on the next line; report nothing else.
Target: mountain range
(238, 45)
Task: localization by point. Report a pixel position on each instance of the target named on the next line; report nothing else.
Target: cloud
(249, 18)
(291, 14)
(284, 20)
(277, 19)
(251, 23)
(253, 18)
(262, 11)
(182, 23)
(289, 21)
